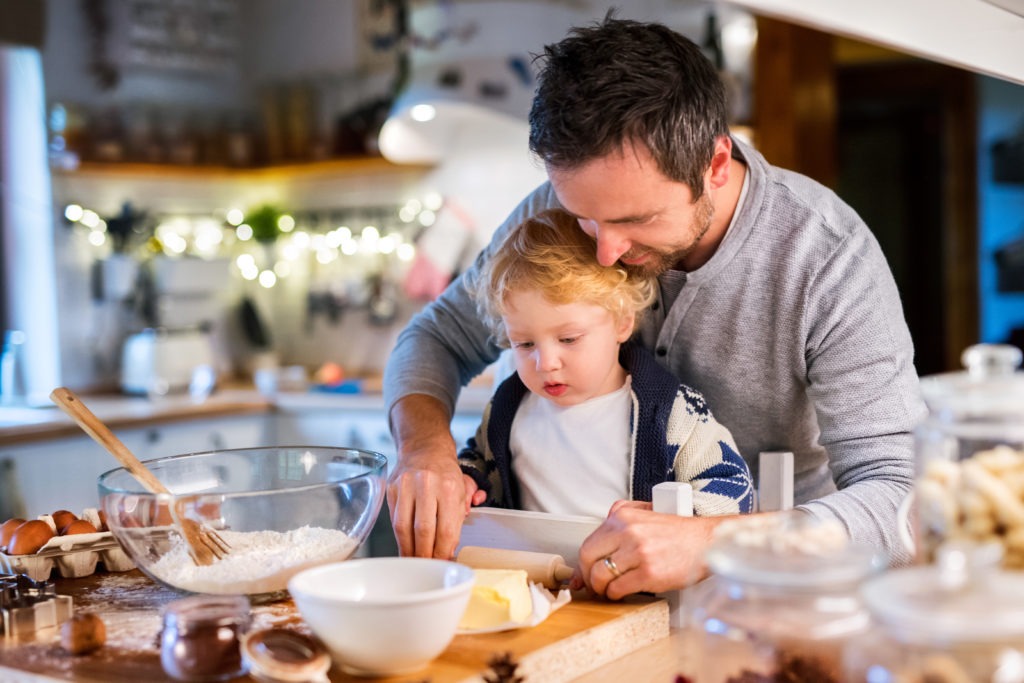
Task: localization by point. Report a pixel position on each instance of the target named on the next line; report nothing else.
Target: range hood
(471, 77)
(986, 36)
(1015, 6)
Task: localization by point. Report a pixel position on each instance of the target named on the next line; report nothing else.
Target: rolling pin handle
(544, 568)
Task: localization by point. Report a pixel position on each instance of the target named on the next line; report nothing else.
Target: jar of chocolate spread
(201, 637)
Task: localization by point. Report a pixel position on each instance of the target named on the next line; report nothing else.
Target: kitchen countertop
(18, 424)
(130, 605)
(661, 660)
(119, 411)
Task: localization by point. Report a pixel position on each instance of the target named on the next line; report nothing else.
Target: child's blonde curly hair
(549, 252)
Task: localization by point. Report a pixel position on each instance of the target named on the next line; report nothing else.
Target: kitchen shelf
(355, 165)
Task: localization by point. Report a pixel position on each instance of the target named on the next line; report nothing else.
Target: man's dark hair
(620, 80)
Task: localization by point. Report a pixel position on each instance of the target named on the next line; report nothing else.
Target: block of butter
(498, 596)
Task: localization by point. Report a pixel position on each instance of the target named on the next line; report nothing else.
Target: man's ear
(718, 173)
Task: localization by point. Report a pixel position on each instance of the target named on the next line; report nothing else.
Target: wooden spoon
(204, 543)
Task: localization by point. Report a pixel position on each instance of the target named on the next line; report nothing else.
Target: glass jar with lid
(782, 600)
(970, 456)
(959, 620)
(201, 637)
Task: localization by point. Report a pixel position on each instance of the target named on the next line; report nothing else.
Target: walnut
(83, 633)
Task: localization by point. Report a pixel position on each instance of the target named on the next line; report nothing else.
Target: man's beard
(659, 262)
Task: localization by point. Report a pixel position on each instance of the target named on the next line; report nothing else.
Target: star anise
(503, 669)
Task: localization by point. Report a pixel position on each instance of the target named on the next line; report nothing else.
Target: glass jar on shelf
(782, 600)
(959, 620)
(970, 456)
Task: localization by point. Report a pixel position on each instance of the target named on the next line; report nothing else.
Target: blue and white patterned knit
(674, 438)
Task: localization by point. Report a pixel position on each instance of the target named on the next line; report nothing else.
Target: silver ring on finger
(610, 564)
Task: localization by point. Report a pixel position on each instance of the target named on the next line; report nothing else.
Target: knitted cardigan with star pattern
(674, 437)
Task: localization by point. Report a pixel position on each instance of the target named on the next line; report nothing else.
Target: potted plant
(263, 221)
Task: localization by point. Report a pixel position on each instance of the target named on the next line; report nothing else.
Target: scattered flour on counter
(131, 632)
(280, 614)
(259, 561)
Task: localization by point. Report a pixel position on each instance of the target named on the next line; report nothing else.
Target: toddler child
(589, 417)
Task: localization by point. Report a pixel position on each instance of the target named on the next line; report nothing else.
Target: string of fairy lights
(327, 236)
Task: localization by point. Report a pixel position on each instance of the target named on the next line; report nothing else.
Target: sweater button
(662, 351)
(654, 306)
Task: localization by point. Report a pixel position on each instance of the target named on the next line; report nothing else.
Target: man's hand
(427, 494)
(648, 551)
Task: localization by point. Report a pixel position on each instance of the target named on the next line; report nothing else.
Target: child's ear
(624, 327)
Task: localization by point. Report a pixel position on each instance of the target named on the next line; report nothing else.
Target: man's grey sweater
(793, 331)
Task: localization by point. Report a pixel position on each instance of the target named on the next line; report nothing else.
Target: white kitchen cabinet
(985, 37)
(56, 474)
(365, 429)
(353, 428)
(196, 436)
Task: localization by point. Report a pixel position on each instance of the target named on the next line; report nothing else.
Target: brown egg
(127, 520)
(78, 526)
(163, 515)
(96, 517)
(7, 530)
(61, 518)
(29, 537)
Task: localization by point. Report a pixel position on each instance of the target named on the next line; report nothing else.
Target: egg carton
(72, 556)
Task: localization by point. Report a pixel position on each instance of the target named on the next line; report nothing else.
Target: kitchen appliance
(156, 362)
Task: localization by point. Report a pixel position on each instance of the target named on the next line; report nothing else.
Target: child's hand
(474, 495)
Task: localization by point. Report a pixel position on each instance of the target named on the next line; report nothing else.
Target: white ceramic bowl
(386, 615)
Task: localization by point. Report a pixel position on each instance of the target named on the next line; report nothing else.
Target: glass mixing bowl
(280, 509)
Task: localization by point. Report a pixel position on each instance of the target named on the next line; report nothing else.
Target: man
(775, 299)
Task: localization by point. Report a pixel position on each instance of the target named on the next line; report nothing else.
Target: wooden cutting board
(578, 638)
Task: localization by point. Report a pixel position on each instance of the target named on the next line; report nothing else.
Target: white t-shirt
(572, 460)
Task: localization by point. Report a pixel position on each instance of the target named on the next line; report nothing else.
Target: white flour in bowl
(259, 561)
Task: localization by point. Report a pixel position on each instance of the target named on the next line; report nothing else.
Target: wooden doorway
(906, 163)
(896, 138)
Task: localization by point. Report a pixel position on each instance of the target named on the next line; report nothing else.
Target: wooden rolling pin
(544, 568)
